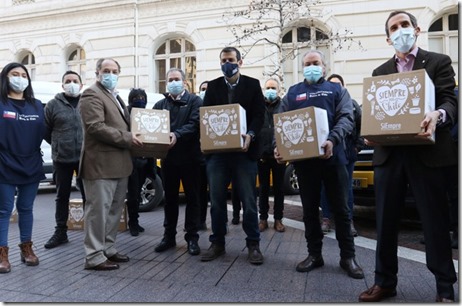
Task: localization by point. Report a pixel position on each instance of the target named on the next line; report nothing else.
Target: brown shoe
(117, 257)
(263, 225)
(105, 266)
(376, 294)
(5, 266)
(27, 254)
(278, 226)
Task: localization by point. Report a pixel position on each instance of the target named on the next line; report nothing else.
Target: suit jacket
(249, 95)
(107, 137)
(439, 69)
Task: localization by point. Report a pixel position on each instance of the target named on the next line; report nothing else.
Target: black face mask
(139, 103)
(229, 69)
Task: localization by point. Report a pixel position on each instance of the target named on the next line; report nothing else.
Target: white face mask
(18, 84)
(403, 39)
(72, 89)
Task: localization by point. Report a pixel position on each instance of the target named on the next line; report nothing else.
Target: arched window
(295, 43)
(175, 53)
(28, 60)
(443, 37)
(76, 62)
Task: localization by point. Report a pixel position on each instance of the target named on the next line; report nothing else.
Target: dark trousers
(135, 182)
(311, 173)
(265, 168)
(430, 193)
(189, 176)
(203, 194)
(64, 173)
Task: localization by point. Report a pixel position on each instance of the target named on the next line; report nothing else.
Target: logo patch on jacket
(9, 115)
(301, 97)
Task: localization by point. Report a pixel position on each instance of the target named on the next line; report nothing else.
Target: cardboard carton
(395, 105)
(300, 133)
(76, 216)
(154, 127)
(222, 127)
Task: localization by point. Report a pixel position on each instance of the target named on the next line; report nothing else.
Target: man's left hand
(328, 149)
(247, 140)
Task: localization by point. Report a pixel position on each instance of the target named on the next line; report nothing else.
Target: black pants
(63, 173)
(310, 174)
(203, 194)
(171, 176)
(265, 168)
(135, 182)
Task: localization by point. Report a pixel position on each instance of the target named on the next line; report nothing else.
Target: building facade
(147, 37)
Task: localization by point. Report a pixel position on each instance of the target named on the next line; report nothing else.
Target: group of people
(106, 165)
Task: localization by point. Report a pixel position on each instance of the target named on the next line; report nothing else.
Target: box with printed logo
(154, 127)
(77, 213)
(394, 105)
(222, 127)
(300, 133)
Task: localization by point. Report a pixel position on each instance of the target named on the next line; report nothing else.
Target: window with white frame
(28, 60)
(175, 53)
(443, 37)
(76, 61)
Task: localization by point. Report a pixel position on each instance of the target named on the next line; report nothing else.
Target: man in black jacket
(238, 167)
(182, 162)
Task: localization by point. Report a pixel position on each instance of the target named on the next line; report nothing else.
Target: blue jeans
(223, 168)
(325, 203)
(24, 205)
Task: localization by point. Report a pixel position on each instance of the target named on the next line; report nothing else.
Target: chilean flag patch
(301, 97)
(9, 115)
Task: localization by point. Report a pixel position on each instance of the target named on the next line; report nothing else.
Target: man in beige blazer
(105, 164)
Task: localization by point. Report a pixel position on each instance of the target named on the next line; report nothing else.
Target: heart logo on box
(76, 213)
(293, 130)
(391, 100)
(219, 124)
(150, 122)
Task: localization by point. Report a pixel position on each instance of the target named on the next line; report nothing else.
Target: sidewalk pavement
(175, 276)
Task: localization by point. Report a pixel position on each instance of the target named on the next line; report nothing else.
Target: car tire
(290, 181)
(152, 194)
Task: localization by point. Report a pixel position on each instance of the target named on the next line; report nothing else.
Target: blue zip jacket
(22, 128)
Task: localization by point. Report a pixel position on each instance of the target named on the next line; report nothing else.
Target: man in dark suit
(422, 167)
(238, 167)
(105, 165)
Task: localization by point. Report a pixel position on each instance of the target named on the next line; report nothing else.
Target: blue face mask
(175, 87)
(271, 94)
(202, 94)
(312, 73)
(139, 103)
(229, 69)
(109, 80)
(403, 39)
(18, 84)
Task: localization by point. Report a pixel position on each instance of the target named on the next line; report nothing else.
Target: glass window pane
(320, 35)
(162, 86)
(436, 26)
(287, 38)
(161, 69)
(303, 34)
(454, 48)
(25, 60)
(189, 46)
(453, 22)
(435, 44)
(161, 49)
(32, 59)
(82, 54)
(175, 46)
(73, 56)
(190, 71)
(175, 62)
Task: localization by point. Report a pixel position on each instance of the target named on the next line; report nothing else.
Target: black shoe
(235, 220)
(193, 247)
(214, 251)
(164, 245)
(140, 229)
(351, 266)
(255, 256)
(58, 238)
(134, 231)
(310, 263)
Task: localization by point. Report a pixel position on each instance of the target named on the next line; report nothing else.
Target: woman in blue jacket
(22, 129)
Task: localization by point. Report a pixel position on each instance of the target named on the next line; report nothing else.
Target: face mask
(139, 103)
(72, 89)
(202, 94)
(109, 80)
(175, 87)
(403, 39)
(312, 73)
(229, 69)
(18, 84)
(270, 94)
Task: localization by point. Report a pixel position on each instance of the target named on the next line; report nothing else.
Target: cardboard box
(154, 127)
(222, 127)
(76, 216)
(300, 133)
(395, 105)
